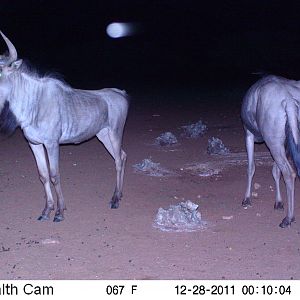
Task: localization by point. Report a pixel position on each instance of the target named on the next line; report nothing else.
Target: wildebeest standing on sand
(270, 113)
(51, 113)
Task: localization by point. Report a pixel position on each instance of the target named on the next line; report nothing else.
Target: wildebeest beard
(8, 121)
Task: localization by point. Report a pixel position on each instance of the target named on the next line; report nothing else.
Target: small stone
(227, 217)
(50, 241)
(257, 186)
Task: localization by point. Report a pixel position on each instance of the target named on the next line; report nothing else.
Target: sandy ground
(95, 242)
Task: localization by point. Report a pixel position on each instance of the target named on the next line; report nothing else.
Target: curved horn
(13, 55)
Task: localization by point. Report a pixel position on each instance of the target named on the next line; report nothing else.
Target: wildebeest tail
(292, 132)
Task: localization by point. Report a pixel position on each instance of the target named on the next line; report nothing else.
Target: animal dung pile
(194, 130)
(217, 163)
(148, 167)
(206, 169)
(182, 217)
(166, 139)
(216, 146)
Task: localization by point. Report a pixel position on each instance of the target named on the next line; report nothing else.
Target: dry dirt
(95, 242)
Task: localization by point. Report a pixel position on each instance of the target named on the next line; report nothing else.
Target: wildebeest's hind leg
(289, 175)
(53, 157)
(41, 161)
(112, 142)
(276, 175)
(251, 167)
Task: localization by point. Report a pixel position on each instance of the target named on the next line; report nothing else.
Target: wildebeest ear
(17, 64)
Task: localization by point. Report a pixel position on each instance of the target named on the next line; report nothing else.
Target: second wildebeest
(270, 113)
(50, 113)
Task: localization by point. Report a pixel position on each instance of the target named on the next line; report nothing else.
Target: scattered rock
(257, 186)
(227, 217)
(50, 241)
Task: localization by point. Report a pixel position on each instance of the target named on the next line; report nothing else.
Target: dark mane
(32, 71)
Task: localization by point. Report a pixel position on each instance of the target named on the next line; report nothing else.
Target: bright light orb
(118, 30)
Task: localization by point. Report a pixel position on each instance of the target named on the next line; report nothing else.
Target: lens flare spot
(118, 30)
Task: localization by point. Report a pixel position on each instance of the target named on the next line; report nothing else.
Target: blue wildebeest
(270, 113)
(50, 113)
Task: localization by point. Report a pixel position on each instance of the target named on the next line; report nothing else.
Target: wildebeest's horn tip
(12, 50)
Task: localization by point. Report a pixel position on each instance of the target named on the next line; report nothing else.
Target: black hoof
(114, 204)
(246, 202)
(58, 218)
(286, 222)
(278, 206)
(43, 218)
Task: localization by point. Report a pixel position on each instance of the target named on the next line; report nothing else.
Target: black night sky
(178, 43)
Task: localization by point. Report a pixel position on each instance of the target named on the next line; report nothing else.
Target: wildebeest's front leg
(53, 156)
(41, 161)
(251, 167)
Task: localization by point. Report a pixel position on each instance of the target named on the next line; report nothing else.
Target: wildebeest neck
(8, 121)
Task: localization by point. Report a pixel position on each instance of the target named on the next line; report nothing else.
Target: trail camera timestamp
(266, 290)
(240, 290)
(204, 290)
